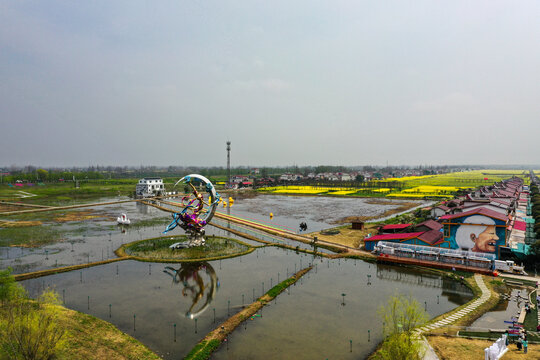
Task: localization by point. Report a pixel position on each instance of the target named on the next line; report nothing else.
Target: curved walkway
(447, 320)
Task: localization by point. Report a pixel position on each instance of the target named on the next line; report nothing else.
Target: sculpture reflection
(198, 280)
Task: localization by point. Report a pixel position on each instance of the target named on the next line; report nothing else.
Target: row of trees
(32, 173)
(42, 175)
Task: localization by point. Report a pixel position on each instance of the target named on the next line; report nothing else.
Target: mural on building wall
(477, 233)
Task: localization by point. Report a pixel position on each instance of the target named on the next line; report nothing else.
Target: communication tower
(228, 162)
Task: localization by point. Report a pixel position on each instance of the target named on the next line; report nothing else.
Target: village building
(151, 186)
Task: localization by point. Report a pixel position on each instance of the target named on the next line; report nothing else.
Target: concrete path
(447, 320)
(520, 277)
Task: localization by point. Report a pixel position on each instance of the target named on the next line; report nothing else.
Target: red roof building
(399, 236)
(393, 228)
(428, 225)
(432, 237)
(479, 211)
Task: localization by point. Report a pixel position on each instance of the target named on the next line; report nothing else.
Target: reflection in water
(197, 279)
(144, 209)
(455, 291)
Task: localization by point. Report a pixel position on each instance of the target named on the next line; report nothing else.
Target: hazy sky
(288, 82)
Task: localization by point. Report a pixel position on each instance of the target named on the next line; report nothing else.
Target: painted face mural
(477, 233)
(486, 241)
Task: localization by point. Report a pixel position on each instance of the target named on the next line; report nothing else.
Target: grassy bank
(450, 348)
(88, 337)
(43, 329)
(157, 249)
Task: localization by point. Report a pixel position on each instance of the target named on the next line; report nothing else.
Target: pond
(504, 311)
(146, 300)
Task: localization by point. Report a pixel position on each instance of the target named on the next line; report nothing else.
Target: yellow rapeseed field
(442, 186)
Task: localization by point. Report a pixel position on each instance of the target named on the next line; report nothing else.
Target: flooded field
(170, 307)
(158, 296)
(317, 212)
(317, 322)
(93, 235)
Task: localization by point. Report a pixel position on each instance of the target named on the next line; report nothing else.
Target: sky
(287, 82)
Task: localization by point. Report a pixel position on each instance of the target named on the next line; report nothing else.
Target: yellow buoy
(271, 215)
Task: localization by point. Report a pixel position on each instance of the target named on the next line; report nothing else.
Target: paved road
(521, 277)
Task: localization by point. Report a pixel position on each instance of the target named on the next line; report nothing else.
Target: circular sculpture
(196, 212)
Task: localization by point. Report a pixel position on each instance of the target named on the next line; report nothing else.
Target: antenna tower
(228, 162)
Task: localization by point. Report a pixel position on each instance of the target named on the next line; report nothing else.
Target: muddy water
(92, 240)
(318, 212)
(308, 321)
(96, 239)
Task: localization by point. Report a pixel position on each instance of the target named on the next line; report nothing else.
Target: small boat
(123, 219)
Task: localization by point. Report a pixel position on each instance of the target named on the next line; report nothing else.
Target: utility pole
(228, 163)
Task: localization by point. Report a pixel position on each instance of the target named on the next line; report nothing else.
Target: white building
(152, 186)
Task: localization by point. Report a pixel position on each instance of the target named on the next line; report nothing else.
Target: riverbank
(88, 337)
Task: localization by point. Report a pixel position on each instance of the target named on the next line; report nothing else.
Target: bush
(28, 329)
(400, 316)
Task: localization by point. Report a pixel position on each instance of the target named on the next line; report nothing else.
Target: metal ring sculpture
(196, 212)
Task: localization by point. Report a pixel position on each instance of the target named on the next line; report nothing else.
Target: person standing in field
(525, 344)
